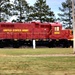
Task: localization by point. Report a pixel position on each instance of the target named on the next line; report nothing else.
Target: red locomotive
(17, 34)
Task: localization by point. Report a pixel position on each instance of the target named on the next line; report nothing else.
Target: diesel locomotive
(46, 34)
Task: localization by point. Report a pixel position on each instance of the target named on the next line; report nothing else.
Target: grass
(37, 51)
(36, 65)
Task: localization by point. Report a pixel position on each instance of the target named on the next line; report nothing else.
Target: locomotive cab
(56, 30)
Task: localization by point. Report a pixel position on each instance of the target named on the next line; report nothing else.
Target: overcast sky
(53, 4)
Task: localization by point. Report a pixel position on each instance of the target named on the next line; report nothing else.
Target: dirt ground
(44, 55)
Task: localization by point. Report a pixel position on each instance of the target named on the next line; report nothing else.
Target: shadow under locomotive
(39, 44)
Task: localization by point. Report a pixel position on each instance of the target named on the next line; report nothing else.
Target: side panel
(16, 30)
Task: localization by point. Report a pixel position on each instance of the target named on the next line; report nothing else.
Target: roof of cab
(55, 24)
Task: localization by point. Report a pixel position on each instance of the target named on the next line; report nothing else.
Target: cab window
(56, 28)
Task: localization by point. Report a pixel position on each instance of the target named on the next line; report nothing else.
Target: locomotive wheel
(71, 44)
(1, 44)
(65, 43)
(15, 44)
(60, 43)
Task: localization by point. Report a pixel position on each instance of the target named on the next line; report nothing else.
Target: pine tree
(42, 12)
(66, 14)
(21, 9)
(5, 10)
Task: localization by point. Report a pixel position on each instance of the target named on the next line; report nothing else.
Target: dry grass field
(16, 61)
(37, 51)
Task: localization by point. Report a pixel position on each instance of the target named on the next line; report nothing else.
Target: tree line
(39, 11)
